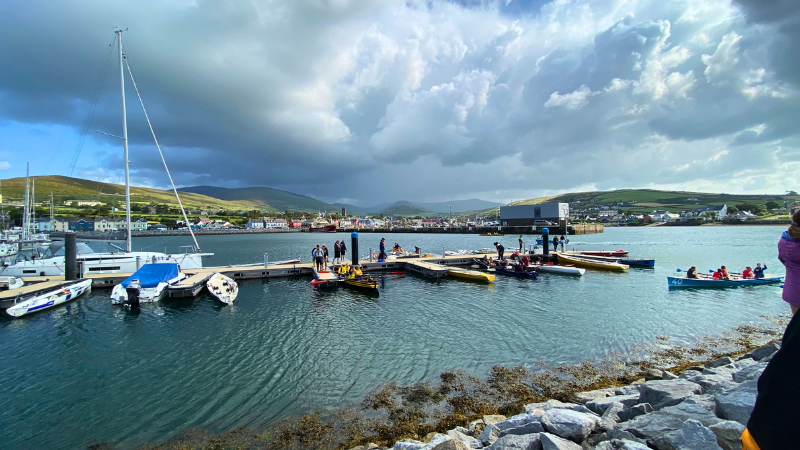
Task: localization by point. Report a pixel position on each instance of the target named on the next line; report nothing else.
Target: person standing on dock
(324, 258)
(563, 242)
(500, 250)
(317, 253)
(343, 252)
(336, 252)
(555, 243)
(520, 243)
(382, 254)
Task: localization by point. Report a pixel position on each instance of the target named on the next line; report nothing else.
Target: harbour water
(90, 372)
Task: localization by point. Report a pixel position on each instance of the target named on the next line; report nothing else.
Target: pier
(431, 267)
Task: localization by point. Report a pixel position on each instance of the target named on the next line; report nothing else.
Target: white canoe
(222, 288)
(50, 299)
(566, 270)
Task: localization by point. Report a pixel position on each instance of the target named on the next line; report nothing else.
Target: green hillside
(265, 198)
(646, 200)
(407, 210)
(67, 188)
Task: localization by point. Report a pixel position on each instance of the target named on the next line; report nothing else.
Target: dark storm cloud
(384, 100)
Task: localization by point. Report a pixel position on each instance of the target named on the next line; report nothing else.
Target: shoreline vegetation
(409, 416)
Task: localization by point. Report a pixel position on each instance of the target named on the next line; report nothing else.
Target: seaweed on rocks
(393, 412)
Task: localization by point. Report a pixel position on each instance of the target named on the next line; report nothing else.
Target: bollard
(546, 241)
(70, 256)
(138, 262)
(266, 260)
(354, 247)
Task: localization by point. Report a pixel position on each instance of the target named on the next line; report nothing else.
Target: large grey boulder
(512, 442)
(737, 403)
(725, 360)
(694, 436)
(451, 445)
(600, 405)
(489, 435)
(634, 411)
(688, 374)
(409, 444)
(728, 434)
(627, 390)
(611, 435)
(460, 436)
(521, 424)
(663, 393)
(660, 423)
(653, 374)
(610, 417)
(750, 372)
(668, 376)
(583, 397)
(712, 382)
(569, 424)
(550, 442)
(621, 444)
(763, 352)
(532, 408)
(493, 418)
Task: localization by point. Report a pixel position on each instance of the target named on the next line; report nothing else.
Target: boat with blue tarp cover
(679, 282)
(146, 285)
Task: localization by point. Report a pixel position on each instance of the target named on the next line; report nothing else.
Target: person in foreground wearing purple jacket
(775, 421)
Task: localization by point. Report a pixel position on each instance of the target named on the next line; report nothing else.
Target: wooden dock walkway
(189, 286)
(426, 266)
(326, 276)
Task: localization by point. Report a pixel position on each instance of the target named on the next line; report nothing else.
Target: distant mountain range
(264, 197)
(458, 206)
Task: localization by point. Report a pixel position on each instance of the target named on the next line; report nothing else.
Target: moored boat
(323, 229)
(639, 262)
(603, 253)
(593, 264)
(473, 275)
(554, 268)
(506, 271)
(11, 283)
(707, 282)
(49, 298)
(363, 282)
(222, 288)
(147, 285)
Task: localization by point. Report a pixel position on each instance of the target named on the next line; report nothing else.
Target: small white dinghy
(11, 283)
(222, 288)
(50, 299)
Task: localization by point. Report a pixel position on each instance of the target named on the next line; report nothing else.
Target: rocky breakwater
(704, 408)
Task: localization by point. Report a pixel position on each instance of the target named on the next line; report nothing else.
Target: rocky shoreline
(704, 407)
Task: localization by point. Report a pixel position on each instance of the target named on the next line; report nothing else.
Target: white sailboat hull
(102, 263)
(50, 299)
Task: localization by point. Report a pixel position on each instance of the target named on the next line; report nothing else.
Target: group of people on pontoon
(722, 273)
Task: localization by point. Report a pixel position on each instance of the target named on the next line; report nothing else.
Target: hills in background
(276, 200)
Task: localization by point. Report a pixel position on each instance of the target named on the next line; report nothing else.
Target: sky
(367, 101)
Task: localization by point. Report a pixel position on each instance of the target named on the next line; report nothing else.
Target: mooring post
(546, 241)
(266, 260)
(354, 247)
(70, 256)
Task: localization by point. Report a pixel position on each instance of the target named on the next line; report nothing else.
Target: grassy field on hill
(647, 200)
(67, 188)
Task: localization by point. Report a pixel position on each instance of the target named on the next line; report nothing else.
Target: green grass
(67, 188)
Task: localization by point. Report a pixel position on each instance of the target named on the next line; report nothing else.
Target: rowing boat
(553, 268)
(467, 274)
(639, 262)
(222, 288)
(506, 271)
(363, 283)
(679, 282)
(603, 253)
(594, 264)
(50, 298)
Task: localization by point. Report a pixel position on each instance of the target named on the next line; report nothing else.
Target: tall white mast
(27, 204)
(33, 203)
(125, 146)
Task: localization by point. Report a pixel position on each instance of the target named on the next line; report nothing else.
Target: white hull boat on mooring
(50, 298)
(148, 285)
(222, 288)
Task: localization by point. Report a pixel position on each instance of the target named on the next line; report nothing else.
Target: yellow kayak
(594, 264)
(470, 274)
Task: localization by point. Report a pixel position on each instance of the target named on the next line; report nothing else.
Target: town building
(82, 202)
(527, 215)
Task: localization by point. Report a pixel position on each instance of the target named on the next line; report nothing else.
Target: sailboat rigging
(112, 262)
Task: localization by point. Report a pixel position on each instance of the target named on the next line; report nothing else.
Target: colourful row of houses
(89, 224)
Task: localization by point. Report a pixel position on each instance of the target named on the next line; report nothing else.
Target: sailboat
(125, 260)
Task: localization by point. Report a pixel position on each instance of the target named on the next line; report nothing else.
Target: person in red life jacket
(717, 275)
(748, 274)
(525, 260)
(774, 421)
(724, 273)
